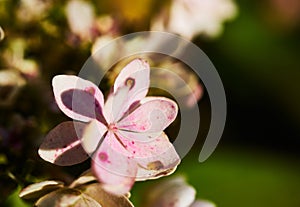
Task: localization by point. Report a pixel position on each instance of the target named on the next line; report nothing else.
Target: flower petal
(155, 158)
(140, 148)
(92, 135)
(78, 98)
(153, 115)
(36, 190)
(162, 162)
(113, 169)
(85, 178)
(67, 197)
(104, 198)
(136, 75)
(138, 136)
(116, 105)
(62, 145)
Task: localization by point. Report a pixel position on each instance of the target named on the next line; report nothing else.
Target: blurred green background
(257, 162)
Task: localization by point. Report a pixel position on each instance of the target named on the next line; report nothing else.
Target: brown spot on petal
(130, 82)
(164, 173)
(156, 165)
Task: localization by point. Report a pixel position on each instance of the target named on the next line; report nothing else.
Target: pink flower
(124, 135)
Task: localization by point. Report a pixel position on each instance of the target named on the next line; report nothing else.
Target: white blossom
(191, 17)
(81, 16)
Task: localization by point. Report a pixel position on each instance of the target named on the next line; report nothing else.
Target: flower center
(112, 127)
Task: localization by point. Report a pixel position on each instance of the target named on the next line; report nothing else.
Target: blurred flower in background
(10, 83)
(32, 10)
(174, 192)
(14, 57)
(2, 34)
(166, 73)
(192, 17)
(179, 80)
(20, 70)
(81, 18)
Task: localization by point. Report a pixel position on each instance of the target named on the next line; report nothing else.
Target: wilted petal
(62, 145)
(113, 169)
(78, 98)
(153, 115)
(92, 135)
(202, 203)
(104, 198)
(67, 197)
(37, 190)
(84, 178)
(136, 75)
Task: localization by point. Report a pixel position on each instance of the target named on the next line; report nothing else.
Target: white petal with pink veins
(155, 158)
(162, 160)
(138, 136)
(113, 169)
(153, 115)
